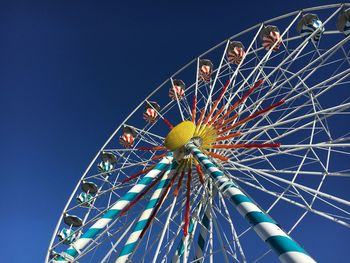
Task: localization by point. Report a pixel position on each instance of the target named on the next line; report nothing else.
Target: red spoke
(217, 102)
(179, 182)
(167, 123)
(201, 117)
(216, 115)
(252, 116)
(218, 156)
(200, 173)
(156, 148)
(139, 173)
(230, 136)
(188, 195)
(159, 156)
(244, 97)
(194, 108)
(217, 126)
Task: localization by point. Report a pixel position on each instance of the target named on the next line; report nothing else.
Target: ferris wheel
(207, 167)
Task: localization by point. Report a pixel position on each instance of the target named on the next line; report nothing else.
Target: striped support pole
(113, 212)
(285, 247)
(181, 247)
(203, 234)
(146, 214)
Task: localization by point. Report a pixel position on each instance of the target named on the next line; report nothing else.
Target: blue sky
(70, 72)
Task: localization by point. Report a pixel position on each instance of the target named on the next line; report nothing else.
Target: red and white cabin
(235, 52)
(205, 69)
(128, 137)
(269, 36)
(151, 111)
(177, 91)
(127, 140)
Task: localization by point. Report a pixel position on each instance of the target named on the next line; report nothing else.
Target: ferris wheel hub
(180, 135)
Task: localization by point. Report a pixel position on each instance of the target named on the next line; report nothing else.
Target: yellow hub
(180, 135)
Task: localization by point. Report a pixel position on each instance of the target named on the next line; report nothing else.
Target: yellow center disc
(180, 135)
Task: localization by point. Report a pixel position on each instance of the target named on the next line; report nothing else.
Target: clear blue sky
(70, 72)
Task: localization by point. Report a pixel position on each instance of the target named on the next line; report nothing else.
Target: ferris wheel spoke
(273, 88)
(225, 244)
(322, 86)
(306, 40)
(145, 136)
(317, 145)
(233, 230)
(233, 78)
(329, 52)
(168, 246)
(137, 157)
(339, 209)
(177, 100)
(147, 132)
(117, 169)
(299, 186)
(275, 184)
(178, 214)
(96, 230)
(124, 229)
(185, 103)
(288, 132)
(116, 243)
(164, 229)
(215, 79)
(265, 132)
(301, 217)
(228, 248)
(249, 176)
(267, 55)
(292, 182)
(256, 124)
(340, 61)
(283, 171)
(179, 227)
(181, 247)
(188, 239)
(225, 183)
(218, 233)
(346, 55)
(293, 202)
(97, 242)
(328, 112)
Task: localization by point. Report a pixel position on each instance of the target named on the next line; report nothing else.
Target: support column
(75, 248)
(288, 250)
(134, 237)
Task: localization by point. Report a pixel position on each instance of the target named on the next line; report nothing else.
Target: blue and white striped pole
(285, 247)
(146, 214)
(73, 251)
(203, 234)
(191, 228)
(181, 246)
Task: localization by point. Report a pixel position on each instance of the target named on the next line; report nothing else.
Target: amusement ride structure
(255, 127)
